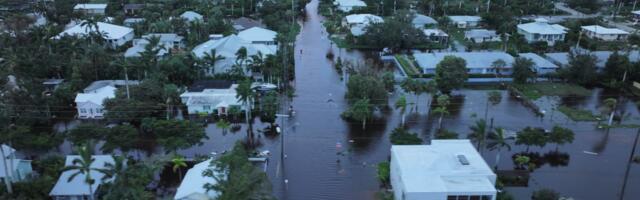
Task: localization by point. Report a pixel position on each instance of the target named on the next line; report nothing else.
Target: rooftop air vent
(463, 160)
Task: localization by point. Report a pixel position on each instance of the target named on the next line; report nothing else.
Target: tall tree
(401, 136)
(441, 110)
(175, 134)
(360, 111)
(560, 136)
(581, 69)
(497, 141)
(401, 104)
(479, 133)
(82, 166)
(523, 70)
(208, 62)
(451, 74)
(497, 66)
(531, 137)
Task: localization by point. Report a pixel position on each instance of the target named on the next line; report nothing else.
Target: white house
(192, 186)
(258, 35)
(446, 169)
(422, 21)
(114, 35)
(481, 35)
(540, 64)
(541, 30)
(191, 16)
(604, 33)
(91, 8)
(77, 188)
(477, 62)
(436, 35)
(465, 21)
(211, 97)
(18, 169)
(167, 40)
(357, 23)
(562, 58)
(227, 48)
(90, 105)
(635, 15)
(349, 5)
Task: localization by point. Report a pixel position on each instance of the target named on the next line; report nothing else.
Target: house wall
(551, 39)
(606, 37)
(121, 41)
(92, 11)
(90, 111)
(68, 197)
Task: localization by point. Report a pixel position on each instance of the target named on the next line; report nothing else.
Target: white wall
(90, 110)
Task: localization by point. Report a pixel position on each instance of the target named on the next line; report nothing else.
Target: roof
(133, 20)
(604, 30)
(637, 12)
(199, 86)
(480, 33)
(350, 3)
(216, 97)
(192, 186)
(243, 23)
(363, 19)
(465, 18)
(136, 50)
(257, 34)
(97, 96)
(83, 6)
(164, 37)
(542, 27)
(434, 32)
(110, 31)
(8, 151)
(191, 16)
(101, 83)
(438, 167)
(539, 61)
(133, 6)
(562, 58)
(77, 186)
(473, 59)
(420, 19)
(228, 46)
(358, 30)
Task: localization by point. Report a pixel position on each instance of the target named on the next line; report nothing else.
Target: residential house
(604, 33)
(91, 8)
(211, 97)
(227, 47)
(436, 35)
(349, 5)
(52, 84)
(541, 30)
(423, 21)
(18, 169)
(130, 22)
(114, 35)
(540, 64)
(77, 188)
(258, 35)
(244, 23)
(477, 62)
(635, 15)
(357, 23)
(445, 169)
(133, 9)
(90, 103)
(169, 41)
(481, 35)
(192, 184)
(562, 58)
(465, 21)
(191, 16)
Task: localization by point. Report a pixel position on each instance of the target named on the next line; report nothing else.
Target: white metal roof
(213, 97)
(258, 34)
(110, 31)
(637, 12)
(465, 18)
(363, 19)
(97, 96)
(191, 16)
(437, 168)
(86, 6)
(539, 61)
(193, 183)
(542, 27)
(473, 59)
(228, 46)
(604, 30)
(420, 19)
(476, 33)
(77, 186)
(350, 3)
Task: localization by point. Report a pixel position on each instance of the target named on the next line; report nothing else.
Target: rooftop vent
(463, 160)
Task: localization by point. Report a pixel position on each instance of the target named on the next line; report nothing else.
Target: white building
(191, 16)
(477, 62)
(114, 35)
(540, 64)
(168, 41)
(436, 35)
(227, 48)
(357, 23)
(541, 30)
(481, 35)
(349, 5)
(91, 8)
(192, 186)
(77, 188)
(422, 21)
(18, 169)
(258, 35)
(604, 33)
(465, 21)
(635, 15)
(562, 58)
(446, 169)
(90, 105)
(211, 97)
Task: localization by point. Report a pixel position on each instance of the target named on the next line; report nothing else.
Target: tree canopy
(523, 70)
(451, 74)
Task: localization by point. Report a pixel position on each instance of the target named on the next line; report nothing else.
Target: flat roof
(474, 33)
(110, 31)
(77, 186)
(604, 30)
(539, 61)
(562, 58)
(82, 6)
(465, 18)
(542, 27)
(363, 18)
(437, 167)
(473, 59)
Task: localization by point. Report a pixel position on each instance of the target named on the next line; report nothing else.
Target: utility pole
(626, 173)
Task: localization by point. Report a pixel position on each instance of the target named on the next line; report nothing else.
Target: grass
(578, 114)
(537, 90)
(406, 66)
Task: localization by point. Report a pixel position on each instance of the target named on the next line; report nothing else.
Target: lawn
(578, 114)
(406, 66)
(537, 90)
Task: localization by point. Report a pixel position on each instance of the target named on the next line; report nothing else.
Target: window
(474, 198)
(98, 110)
(206, 107)
(82, 110)
(463, 197)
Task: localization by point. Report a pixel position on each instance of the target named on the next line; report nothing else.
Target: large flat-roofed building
(477, 62)
(444, 170)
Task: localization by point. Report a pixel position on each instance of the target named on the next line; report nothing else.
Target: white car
(263, 86)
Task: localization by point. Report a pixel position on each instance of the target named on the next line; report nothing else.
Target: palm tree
(121, 62)
(116, 169)
(610, 106)
(178, 163)
(401, 104)
(82, 166)
(245, 94)
(497, 67)
(257, 61)
(498, 140)
(224, 125)
(443, 102)
(241, 56)
(493, 97)
(479, 133)
(209, 61)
